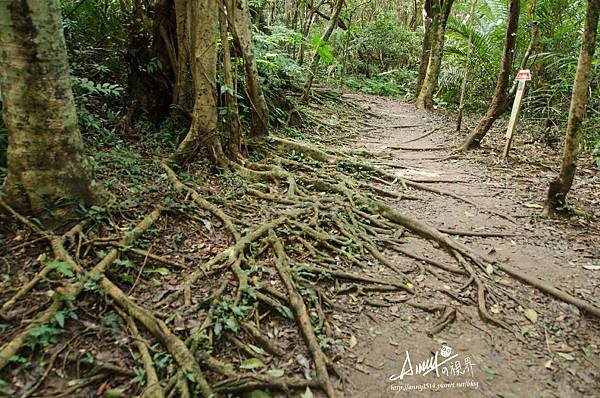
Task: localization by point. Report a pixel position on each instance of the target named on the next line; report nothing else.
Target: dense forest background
(121, 56)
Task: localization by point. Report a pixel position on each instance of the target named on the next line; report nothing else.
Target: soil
(552, 351)
(560, 355)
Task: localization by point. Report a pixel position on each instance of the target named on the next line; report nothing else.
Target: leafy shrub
(381, 46)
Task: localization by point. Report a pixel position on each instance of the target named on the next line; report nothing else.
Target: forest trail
(555, 360)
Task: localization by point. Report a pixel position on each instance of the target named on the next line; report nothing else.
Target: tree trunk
(203, 130)
(463, 85)
(241, 28)
(499, 102)
(233, 121)
(183, 90)
(426, 49)
(440, 10)
(560, 186)
(335, 16)
(47, 168)
(535, 33)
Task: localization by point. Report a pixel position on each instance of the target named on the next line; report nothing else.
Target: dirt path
(560, 356)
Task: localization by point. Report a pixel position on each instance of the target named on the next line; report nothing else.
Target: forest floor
(561, 356)
(369, 328)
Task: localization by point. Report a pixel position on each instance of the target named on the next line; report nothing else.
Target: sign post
(522, 77)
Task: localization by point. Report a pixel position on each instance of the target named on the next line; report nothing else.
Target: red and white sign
(523, 75)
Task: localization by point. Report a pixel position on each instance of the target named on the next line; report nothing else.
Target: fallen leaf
(592, 267)
(508, 395)
(257, 394)
(566, 356)
(531, 315)
(586, 352)
(302, 361)
(352, 342)
(533, 206)
(275, 372)
(307, 393)
(251, 363)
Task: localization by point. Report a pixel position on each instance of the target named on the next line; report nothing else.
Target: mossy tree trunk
(47, 168)
(203, 59)
(233, 121)
(183, 88)
(501, 94)
(440, 10)
(560, 186)
(426, 48)
(241, 27)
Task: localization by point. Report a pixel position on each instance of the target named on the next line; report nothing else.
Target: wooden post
(522, 77)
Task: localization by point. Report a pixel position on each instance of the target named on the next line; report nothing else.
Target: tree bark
(560, 186)
(203, 44)
(440, 10)
(183, 90)
(335, 16)
(426, 49)
(499, 102)
(47, 168)
(241, 28)
(233, 121)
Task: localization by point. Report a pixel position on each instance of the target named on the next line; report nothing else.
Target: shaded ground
(365, 328)
(561, 355)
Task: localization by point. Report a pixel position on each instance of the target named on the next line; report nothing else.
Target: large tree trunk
(203, 130)
(333, 22)
(233, 121)
(440, 10)
(426, 48)
(499, 102)
(183, 90)
(241, 27)
(560, 186)
(47, 168)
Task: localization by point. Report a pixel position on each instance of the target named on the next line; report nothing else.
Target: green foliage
(323, 49)
(378, 58)
(383, 45)
(62, 267)
(62, 315)
(43, 336)
(226, 315)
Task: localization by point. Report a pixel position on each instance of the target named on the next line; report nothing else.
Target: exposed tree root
(153, 389)
(11, 348)
(551, 290)
(302, 316)
(477, 233)
(332, 234)
(425, 148)
(427, 134)
(143, 253)
(201, 202)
